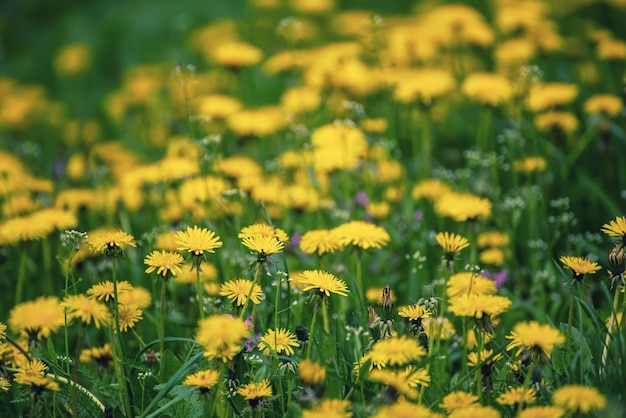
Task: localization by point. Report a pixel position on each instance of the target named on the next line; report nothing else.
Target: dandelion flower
(238, 290)
(486, 88)
(580, 266)
(86, 310)
(579, 399)
(325, 283)
(103, 356)
(530, 164)
(486, 358)
(542, 412)
(362, 235)
(329, 408)
(129, 315)
(253, 392)
(451, 243)
(39, 318)
(3, 331)
(203, 380)
(278, 341)
(264, 246)
(136, 295)
(468, 283)
(5, 385)
(545, 96)
(603, 103)
(516, 395)
(320, 241)
(616, 228)
(479, 305)
(556, 120)
(458, 400)
(265, 230)
(403, 409)
(396, 379)
(473, 411)
(33, 374)
(414, 312)
(463, 207)
(222, 336)
(197, 241)
(535, 337)
(395, 351)
(110, 242)
(165, 263)
(105, 290)
(311, 373)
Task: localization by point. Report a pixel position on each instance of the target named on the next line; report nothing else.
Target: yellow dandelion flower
(311, 373)
(557, 120)
(603, 103)
(237, 291)
(542, 412)
(549, 95)
(451, 243)
(203, 380)
(438, 326)
(320, 241)
(86, 309)
(395, 351)
(486, 358)
(105, 290)
(254, 391)
(208, 273)
(263, 246)
(516, 395)
(362, 235)
(110, 242)
(479, 305)
(165, 263)
(236, 54)
(493, 239)
(129, 315)
(475, 411)
(197, 241)
(414, 312)
(137, 295)
(278, 341)
(463, 207)
(458, 400)
(403, 409)
(530, 164)
(221, 336)
(466, 283)
(486, 88)
(329, 408)
(37, 319)
(5, 385)
(579, 399)
(534, 337)
(615, 228)
(493, 256)
(398, 379)
(265, 230)
(325, 283)
(103, 356)
(430, 189)
(580, 266)
(3, 331)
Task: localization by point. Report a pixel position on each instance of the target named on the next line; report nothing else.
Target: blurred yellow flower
(72, 59)
(547, 96)
(37, 319)
(604, 103)
(487, 88)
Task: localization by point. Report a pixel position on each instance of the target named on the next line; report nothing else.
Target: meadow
(313, 208)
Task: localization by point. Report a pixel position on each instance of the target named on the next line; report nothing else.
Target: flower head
(516, 395)
(278, 341)
(222, 336)
(457, 400)
(105, 290)
(129, 315)
(165, 263)
(463, 207)
(320, 241)
(547, 411)
(329, 408)
(33, 374)
(311, 373)
(86, 309)
(580, 266)
(103, 355)
(110, 242)
(403, 409)
(325, 283)
(3, 331)
(263, 246)
(451, 243)
(616, 228)
(203, 380)
(362, 235)
(469, 283)
(253, 392)
(263, 230)
(39, 318)
(237, 291)
(579, 399)
(197, 241)
(534, 337)
(395, 351)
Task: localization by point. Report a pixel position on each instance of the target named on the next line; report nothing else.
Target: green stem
(257, 278)
(276, 301)
(48, 285)
(427, 146)
(359, 280)
(570, 319)
(479, 372)
(309, 347)
(21, 276)
(200, 290)
(75, 371)
(612, 321)
(162, 318)
(325, 322)
(120, 373)
(527, 382)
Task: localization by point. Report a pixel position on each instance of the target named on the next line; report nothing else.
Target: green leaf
(564, 361)
(168, 366)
